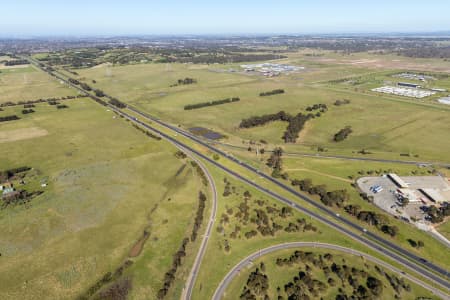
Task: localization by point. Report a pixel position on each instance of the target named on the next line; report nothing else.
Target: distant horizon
(442, 33)
(201, 17)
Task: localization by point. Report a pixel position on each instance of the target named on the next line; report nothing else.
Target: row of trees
(199, 215)
(320, 106)
(106, 279)
(264, 119)
(16, 62)
(273, 92)
(185, 81)
(28, 103)
(211, 103)
(341, 102)
(169, 277)
(9, 118)
(117, 103)
(342, 134)
(200, 172)
(147, 133)
(10, 173)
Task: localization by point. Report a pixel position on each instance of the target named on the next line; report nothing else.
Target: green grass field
(104, 178)
(22, 84)
(385, 126)
(280, 275)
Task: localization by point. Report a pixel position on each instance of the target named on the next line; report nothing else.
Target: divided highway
(235, 271)
(369, 239)
(374, 241)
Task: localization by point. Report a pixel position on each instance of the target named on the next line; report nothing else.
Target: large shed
(398, 181)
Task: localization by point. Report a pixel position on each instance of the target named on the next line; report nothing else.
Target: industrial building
(407, 84)
(420, 77)
(433, 194)
(444, 100)
(404, 91)
(398, 181)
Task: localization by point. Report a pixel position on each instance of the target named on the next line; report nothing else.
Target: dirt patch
(21, 134)
(137, 248)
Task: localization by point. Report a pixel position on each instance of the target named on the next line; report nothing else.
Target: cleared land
(107, 183)
(21, 134)
(27, 83)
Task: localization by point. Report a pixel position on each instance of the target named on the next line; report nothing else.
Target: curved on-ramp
(190, 282)
(220, 291)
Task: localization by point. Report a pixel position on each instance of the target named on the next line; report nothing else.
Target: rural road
(235, 271)
(374, 241)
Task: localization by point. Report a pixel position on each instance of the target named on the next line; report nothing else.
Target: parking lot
(387, 199)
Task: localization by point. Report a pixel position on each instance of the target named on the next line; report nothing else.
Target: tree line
(16, 62)
(184, 81)
(10, 173)
(199, 215)
(272, 92)
(41, 100)
(211, 103)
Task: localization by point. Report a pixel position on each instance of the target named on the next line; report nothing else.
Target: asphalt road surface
(235, 271)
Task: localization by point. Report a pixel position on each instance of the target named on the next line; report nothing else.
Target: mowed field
(27, 83)
(384, 125)
(279, 276)
(107, 183)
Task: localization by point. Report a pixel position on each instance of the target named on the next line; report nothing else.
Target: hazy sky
(113, 17)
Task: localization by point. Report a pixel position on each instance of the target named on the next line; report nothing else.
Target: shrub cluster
(27, 111)
(333, 198)
(380, 221)
(117, 103)
(342, 134)
(185, 81)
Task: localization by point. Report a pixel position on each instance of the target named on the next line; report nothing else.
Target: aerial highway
(372, 240)
(327, 216)
(235, 271)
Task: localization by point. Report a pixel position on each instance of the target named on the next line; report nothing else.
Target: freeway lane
(235, 271)
(418, 264)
